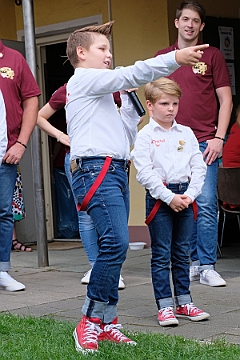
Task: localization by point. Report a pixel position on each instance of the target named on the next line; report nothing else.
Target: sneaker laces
(115, 332)
(5, 275)
(191, 308)
(167, 311)
(211, 272)
(91, 332)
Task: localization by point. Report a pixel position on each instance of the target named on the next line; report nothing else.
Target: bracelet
(19, 142)
(58, 138)
(218, 137)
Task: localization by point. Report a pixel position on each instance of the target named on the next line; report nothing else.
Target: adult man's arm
(29, 118)
(215, 145)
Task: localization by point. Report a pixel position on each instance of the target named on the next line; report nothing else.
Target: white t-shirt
(3, 129)
(94, 125)
(170, 156)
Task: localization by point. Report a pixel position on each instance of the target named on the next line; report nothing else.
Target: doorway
(57, 71)
(53, 71)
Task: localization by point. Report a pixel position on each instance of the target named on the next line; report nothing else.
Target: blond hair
(84, 37)
(155, 89)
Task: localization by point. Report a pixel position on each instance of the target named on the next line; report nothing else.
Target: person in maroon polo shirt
(20, 94)
(202, 86)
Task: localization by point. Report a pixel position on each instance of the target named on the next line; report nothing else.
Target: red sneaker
(190, 311)
(112, 333)
(166, 317)
(86, 334)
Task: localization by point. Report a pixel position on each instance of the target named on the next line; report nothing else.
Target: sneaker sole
(204, 316)
(168, 322)
(195, 278)
(213, 285)
(79, 348)
(12, 289)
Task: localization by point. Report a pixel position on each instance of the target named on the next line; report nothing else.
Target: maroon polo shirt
(58, 98)
(17, 84)
(198, 107)
(231, 150)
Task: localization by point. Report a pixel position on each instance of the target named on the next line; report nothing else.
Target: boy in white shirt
(100, 139)
(171, 168)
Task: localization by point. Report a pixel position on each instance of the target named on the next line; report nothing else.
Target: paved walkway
(57, 291)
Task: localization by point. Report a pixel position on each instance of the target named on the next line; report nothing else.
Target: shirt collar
(154, 125)
(2, 50)
(176, 47)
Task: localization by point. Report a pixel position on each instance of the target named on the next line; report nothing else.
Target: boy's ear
(80, 52)
(149, 104)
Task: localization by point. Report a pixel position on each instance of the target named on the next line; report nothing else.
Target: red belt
(157, 206)
(95, 185)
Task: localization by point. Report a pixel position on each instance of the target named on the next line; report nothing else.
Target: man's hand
(190, 55)
(180, 202)
(213, 150)
(14, 154)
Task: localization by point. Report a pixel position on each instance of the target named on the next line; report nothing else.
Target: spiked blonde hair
(84, 37)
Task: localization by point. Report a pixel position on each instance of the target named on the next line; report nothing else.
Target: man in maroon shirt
(202, 85)
(20, 94)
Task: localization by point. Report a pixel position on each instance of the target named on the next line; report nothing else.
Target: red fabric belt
(157, 206)
(95, 185)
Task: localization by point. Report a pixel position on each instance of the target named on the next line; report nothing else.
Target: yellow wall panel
(7, 20)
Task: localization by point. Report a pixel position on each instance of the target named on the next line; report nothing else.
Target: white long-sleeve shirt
(94, 125)
(3, 129)
(170, 156)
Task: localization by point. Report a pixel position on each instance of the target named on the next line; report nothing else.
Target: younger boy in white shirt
(171, 168)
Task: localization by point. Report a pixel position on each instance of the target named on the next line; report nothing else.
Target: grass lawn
(31, 338)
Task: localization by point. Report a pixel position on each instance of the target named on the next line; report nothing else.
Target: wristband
(58, 138)
(218, 137)
(19, 142)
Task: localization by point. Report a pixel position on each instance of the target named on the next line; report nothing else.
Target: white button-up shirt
(170, 156)
(94, 125)
(3, 129)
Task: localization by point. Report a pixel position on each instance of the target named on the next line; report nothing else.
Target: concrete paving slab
(57, 291)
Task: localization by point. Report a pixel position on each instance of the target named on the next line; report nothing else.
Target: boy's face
(98, 56)
(189, 25)
(164, 110)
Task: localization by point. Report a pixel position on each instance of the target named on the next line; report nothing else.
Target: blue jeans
(8, 174)
(86, 227)
(170, 234)
(205, 233)
(109, 210)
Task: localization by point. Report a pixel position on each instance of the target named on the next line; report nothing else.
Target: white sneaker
(8, 283)
(86, 278)
(194, 273)
(212, 278)
(121, 284)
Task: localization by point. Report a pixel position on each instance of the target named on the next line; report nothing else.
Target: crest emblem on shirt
(200, 68)
(181, 144)
(7, 72)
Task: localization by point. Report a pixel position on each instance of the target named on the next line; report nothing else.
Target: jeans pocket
(79, 186)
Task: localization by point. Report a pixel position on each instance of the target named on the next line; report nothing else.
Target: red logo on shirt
(157, 142)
